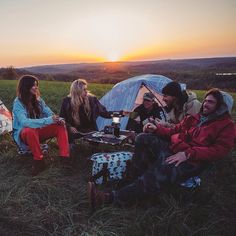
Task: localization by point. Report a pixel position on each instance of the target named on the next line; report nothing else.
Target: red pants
(32, 137)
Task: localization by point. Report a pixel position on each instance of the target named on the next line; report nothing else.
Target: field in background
(53, 92)
(198, 73)
(55, 202)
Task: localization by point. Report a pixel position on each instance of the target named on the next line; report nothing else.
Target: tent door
(144, 89)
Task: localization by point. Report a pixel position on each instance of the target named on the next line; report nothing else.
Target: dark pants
(153, 173)
(72, 137)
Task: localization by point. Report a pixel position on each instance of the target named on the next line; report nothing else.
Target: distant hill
(61, 68)
(199, 73)
(141, 66)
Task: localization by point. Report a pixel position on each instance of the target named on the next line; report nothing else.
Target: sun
(113, 57)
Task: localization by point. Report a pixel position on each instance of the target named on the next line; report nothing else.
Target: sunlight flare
(113, 57)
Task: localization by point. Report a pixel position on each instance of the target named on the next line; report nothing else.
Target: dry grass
(55, 202)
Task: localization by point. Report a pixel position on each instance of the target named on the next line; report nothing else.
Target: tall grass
(55, 202)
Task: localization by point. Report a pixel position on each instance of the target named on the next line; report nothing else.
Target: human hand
(125, 113)
(162, 123)
(149, 128)
(55, 118)
(73, 130)
(149, 120)
(61, 121)
(58, 120)
(177, 158)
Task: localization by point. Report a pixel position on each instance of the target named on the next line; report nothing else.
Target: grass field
(55, 202)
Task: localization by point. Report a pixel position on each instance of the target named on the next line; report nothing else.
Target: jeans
(152, 172)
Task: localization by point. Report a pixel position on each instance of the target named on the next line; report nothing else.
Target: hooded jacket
(191, 107)
(202, 141)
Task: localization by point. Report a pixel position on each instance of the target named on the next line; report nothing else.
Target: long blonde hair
(77, 100)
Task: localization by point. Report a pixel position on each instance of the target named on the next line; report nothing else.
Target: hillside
(145, 67)
(200, 73)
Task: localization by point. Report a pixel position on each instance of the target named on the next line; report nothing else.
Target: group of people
(171, 154)
(178, 104)
(172, 144)
(34, 121)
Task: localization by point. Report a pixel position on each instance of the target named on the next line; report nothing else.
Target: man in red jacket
(172, 155)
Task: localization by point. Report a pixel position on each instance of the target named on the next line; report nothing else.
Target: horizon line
(114, 62)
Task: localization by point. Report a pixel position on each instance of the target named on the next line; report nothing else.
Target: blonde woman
(80, 110)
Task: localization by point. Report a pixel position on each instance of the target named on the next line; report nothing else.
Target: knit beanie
(172, 89)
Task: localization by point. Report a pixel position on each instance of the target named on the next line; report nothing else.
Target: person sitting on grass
(148, 109)
(178, 104)
(80, 110)
(33, 122)
(166, 156)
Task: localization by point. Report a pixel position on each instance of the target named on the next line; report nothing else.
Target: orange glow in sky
(36, 32)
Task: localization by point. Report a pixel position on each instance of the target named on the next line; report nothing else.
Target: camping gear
(110, 166)
(5, 119)
(107, 137)
(128, 94)
(116, 123)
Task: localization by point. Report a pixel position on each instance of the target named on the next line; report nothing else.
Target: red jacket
(211, 141)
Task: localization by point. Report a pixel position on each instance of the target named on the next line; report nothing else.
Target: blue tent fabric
(123, 95)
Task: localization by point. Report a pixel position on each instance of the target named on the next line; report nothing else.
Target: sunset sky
(39, 32)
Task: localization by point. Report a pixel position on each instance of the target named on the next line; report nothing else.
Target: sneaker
(38, 166)
(96, 197)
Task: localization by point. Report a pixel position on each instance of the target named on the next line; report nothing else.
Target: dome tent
(128, 94)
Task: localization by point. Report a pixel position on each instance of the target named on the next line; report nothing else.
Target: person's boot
(38, 166)
(98, 198)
